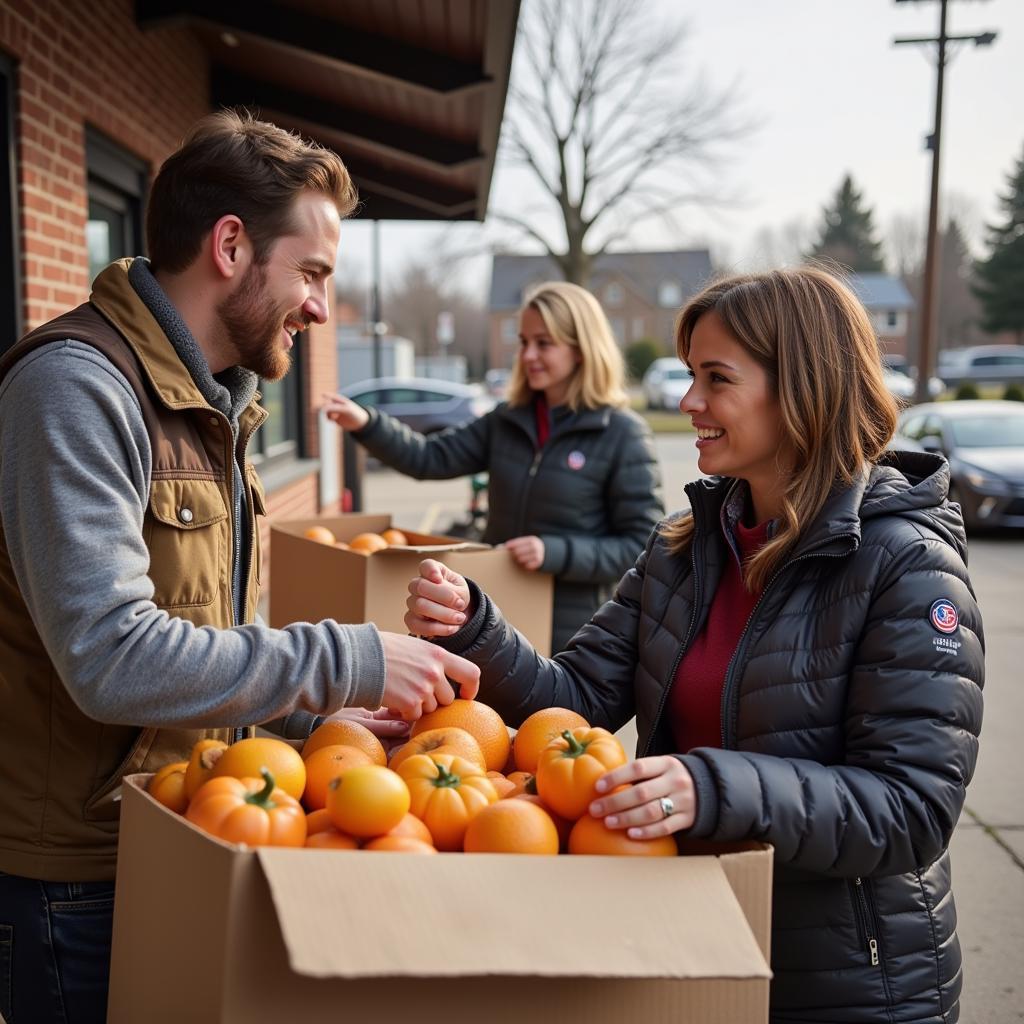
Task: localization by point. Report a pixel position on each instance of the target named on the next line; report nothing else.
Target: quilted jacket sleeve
(458, 451)
(912, 719)
(594, 676)
(633, 498)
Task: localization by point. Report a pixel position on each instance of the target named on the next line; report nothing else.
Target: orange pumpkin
(201, 763)
(446, 793)
(167, 787)
(570, 766)
(250, 811)
(450, 740)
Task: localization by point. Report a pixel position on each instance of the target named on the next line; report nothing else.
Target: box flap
(359, 915)
(439, 545)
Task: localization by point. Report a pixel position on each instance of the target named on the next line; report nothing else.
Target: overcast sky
(830, 94)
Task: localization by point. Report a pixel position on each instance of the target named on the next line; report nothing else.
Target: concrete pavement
(988, 846)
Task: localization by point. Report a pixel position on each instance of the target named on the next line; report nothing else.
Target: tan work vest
(61, 770)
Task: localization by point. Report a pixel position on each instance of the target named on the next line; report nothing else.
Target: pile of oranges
(363, 543)
(460, 783)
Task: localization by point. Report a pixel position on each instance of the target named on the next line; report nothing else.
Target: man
(129, 556)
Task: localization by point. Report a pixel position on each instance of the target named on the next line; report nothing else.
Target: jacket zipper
(863, 915)
(729, 708)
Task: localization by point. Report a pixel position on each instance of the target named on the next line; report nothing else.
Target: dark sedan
(984, 443)
(424, 404)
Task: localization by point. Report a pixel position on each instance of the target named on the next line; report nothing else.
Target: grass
(661, 421)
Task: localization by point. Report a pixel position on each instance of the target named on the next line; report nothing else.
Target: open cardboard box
(205, 931)
(315, 581)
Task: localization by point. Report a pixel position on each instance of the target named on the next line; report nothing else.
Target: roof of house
(881, 291)
(512, 274)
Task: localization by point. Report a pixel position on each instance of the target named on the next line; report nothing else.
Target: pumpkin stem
(575, 748)
(262, 798)
(445, 779)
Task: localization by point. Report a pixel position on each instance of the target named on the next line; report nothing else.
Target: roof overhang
(410, 95)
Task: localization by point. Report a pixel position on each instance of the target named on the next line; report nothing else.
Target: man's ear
(230, 247)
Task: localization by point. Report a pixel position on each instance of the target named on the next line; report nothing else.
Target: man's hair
(231, 163)
(575, 318)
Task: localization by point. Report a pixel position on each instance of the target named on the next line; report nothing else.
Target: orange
(341, 544)
(450, 740)
(367, 543)
(318, 821)
(591, 835)
(325, 764)
(563, 825)
(482, 722)
(200, 764)
(347, 733)
(399, 844)
(410, 825)
(504, 787)
(538, 731)
(320, 534)
(332, 839)
(395, 538)
(367, 800)
(167, 787)
(511, 826)
(244, 759)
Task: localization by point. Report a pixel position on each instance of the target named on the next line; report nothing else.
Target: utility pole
(926, 350)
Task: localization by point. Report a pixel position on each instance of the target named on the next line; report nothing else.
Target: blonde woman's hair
(574, 317)
(816, 343)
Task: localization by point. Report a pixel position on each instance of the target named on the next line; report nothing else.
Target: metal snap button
(215, 421)
(185, 515)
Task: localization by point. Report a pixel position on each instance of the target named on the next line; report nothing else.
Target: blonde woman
(574, 486)
(801, 648)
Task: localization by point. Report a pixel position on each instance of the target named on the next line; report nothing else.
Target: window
(670, 294)
(279, 438)
(613, 295)
(116, 187)
(891, 318)
(10, 263)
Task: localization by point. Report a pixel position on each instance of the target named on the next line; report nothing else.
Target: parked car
(982, 364)
(424, 404)
(665, 383)
(496, 382)
(903, 386)
(984, 443)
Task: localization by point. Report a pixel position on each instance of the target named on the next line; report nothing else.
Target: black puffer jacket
(592, 493)
(851, 712)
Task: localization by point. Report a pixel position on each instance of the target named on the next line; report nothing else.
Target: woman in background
(574, 485)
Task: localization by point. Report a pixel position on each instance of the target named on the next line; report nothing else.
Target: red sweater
(695, 703)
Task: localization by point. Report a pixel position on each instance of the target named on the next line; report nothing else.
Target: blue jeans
(54, 950)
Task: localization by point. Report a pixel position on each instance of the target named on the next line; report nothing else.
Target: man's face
(286, 293)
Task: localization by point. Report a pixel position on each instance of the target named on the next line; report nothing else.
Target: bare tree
(604, 119)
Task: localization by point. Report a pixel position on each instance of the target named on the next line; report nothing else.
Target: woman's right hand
(438, 601)
(345, 413)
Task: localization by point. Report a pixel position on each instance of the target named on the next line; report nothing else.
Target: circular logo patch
(577, 460)
(943, 615)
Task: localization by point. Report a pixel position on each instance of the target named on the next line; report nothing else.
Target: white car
(665, 382)
(903, 387)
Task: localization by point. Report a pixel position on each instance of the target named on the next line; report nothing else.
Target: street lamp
(929, 299)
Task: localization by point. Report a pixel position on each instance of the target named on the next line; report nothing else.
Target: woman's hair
(574, 317)
(816, 343)
(232, 163)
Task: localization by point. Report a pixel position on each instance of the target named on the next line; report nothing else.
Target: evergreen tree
(1000, 277)
(847, 234)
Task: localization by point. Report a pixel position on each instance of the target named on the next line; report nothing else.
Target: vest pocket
(187, 532)
(259, 508)
(105, 803)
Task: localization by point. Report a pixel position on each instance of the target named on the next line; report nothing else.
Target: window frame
(293, 447)
(117, 178)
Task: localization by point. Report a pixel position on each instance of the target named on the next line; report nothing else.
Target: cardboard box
(207, 932)
(314, 581)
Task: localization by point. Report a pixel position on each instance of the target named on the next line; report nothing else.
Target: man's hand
(438, 601)
(638, 806)
(416, 679)
(527, 551)
(345, 413)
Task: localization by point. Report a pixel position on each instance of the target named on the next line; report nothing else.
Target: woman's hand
(527, 551)
(438, 601)
(345, 413)
(388, 726)
(639, 807)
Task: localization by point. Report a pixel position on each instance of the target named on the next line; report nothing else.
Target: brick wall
(84, 64)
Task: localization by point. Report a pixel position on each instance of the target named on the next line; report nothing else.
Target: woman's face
(736, 414)
(548, 364)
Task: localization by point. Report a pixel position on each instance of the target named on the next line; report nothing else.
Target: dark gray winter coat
(850, 720)
(592, 493)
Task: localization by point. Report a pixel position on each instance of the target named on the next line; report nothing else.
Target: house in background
(641, 293)
(94, 94)
(890, 304)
